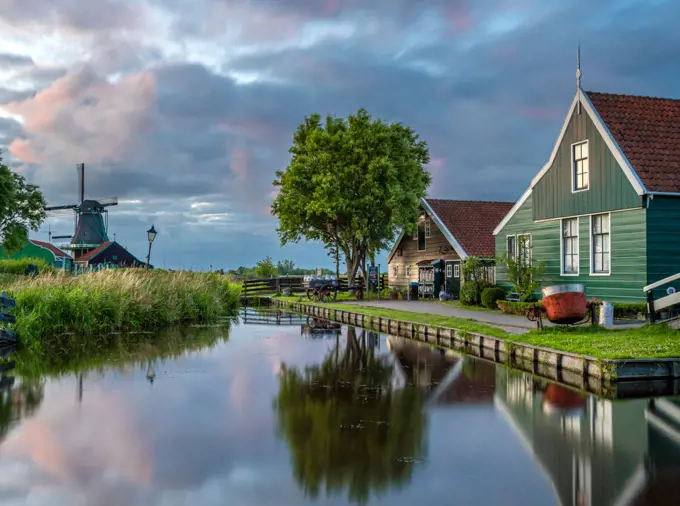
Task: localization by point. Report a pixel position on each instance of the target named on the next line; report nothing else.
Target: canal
(294, 411)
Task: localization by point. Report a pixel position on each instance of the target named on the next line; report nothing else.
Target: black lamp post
(151, 234)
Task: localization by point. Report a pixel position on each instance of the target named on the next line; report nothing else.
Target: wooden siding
(663, 240)
(609, 188)
(411, 256)
(628, 251)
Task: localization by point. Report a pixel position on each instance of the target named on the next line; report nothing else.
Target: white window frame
(531, 246)
(424, 241)
(456, 271)
(578, 246)
(514, 251)
(573, 167)
(609, 245)
(449, 270)
(428, 229)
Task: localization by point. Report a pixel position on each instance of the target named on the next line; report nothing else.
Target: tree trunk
(337, 261)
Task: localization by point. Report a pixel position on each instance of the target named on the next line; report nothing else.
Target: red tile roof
(94, 252)
(471, 222)
(51, 247)
(647, 130)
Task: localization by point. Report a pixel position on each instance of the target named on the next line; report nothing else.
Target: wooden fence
(296, 284)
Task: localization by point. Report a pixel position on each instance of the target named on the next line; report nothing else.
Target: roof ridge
(648, 97)
(471, 200)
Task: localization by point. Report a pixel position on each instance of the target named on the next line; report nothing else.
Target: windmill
(91, 219)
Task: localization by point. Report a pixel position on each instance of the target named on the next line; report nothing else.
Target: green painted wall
(628, 252)
(30, 250)
(663, 240)
(609, 188)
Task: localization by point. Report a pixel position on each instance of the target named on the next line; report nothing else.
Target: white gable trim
(396, 245)
(614, 146)
(447, 233)
(46, 249)
(440, 225)
(608, 139)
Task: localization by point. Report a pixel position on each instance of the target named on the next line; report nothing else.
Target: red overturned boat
(565, 304)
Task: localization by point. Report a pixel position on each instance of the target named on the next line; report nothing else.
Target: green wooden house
(604, 210)
(49, 252)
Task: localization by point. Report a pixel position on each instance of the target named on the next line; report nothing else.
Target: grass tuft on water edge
(96, 303)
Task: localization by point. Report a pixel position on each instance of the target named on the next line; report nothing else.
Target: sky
(184, 109)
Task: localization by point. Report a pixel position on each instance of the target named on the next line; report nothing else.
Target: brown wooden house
(449, 231)
(109, 253)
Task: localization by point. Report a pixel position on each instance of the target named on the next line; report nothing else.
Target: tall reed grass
(123, 300)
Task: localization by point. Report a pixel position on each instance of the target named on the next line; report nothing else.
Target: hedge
(622, 310)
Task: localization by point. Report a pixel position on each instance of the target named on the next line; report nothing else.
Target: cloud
(170, 103)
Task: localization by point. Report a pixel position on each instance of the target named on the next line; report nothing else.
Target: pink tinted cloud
(458, 16)
(83, 117)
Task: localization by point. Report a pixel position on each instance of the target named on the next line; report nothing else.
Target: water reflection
(348, 425)
(187, 417)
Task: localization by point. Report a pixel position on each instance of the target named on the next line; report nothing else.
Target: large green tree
(353, 183)
(22, 207)
(348, 428)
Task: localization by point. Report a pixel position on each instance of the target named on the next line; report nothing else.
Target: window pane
(605, 223)
(585, 166)
(598, 262)
(577, 151)
(584, 150)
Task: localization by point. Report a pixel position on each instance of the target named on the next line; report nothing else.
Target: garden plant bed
(643, 353)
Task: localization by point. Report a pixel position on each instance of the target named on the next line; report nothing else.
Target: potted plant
(394, 295)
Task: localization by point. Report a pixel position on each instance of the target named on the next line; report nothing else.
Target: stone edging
(582, 368)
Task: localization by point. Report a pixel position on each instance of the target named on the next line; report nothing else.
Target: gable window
(600, 244)
(422, 243)
(581, 168)
(395, 270)
(570, 248)
(428, 231)
(511, 246)
(449, 270)
(408, 271)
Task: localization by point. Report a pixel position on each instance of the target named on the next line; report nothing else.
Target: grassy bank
(117, 300)
(649, 341)
(430, 319)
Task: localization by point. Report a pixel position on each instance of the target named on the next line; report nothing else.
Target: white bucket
(606, 313)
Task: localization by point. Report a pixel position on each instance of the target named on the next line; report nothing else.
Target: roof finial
(578, 65)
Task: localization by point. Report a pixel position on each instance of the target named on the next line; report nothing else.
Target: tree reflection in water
(346, 424)
(17, 401)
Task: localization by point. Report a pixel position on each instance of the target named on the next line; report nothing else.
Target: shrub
(20, 266)
(471, 292)
(622, 310)
(516, 308)
(491, 295)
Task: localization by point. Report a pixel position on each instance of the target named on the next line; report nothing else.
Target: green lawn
(649, 341)
(442, 321)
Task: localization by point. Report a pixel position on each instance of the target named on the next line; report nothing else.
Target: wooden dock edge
(580, 371)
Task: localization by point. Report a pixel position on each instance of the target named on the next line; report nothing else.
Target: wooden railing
(671, 299)
(296, 284)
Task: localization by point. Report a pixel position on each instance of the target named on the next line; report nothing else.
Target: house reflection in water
(594, 452)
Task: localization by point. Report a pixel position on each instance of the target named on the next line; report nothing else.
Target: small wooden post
(650, 306)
